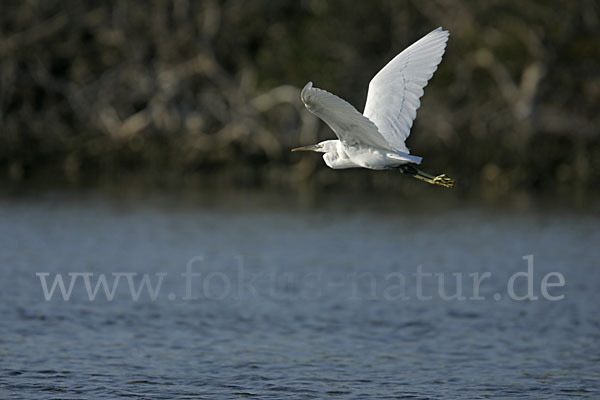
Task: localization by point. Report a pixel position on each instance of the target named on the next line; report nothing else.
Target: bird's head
(322, 147)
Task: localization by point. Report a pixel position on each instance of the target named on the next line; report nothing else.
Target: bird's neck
(336, 157)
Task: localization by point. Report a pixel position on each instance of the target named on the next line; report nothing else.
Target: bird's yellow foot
(443, 180)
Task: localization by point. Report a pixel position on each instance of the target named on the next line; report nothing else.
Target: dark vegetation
(205, 93)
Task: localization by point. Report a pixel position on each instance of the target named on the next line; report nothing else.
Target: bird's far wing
(394, 93)
(349, 125)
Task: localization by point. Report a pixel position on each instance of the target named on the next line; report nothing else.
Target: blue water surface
(295, 303)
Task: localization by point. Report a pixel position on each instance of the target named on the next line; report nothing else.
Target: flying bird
(376, 138)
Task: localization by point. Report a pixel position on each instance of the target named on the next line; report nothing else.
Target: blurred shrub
(178, 88)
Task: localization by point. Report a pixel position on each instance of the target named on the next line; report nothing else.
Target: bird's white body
(376, 138)
(340, 156)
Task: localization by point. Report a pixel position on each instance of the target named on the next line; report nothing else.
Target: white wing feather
(394, 93)
(349, 125)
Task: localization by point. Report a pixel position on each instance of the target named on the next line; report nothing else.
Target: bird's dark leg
(441, 180)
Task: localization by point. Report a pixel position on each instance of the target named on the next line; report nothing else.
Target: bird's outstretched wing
(394, 93)
(349, 125)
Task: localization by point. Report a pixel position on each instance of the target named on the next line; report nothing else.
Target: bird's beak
(312, 147)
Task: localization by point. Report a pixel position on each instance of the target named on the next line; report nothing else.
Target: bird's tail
(441, 180)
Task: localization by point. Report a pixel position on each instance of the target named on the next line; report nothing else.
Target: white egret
(376, 138)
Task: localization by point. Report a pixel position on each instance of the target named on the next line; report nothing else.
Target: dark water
(295, 304)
